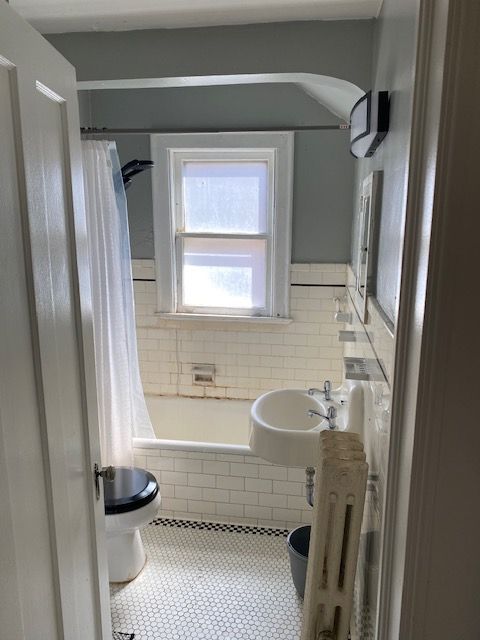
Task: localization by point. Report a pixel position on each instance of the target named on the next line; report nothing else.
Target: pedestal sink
(283, 433)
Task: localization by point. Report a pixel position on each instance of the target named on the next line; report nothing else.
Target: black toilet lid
(131, 489)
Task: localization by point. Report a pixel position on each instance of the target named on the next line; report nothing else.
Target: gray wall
(322, 197)
(323, 171)
(323, 180)
(340, 49)
(393, 70)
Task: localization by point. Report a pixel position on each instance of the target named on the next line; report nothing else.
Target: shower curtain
(122, 410)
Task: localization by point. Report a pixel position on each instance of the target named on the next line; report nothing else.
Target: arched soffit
(336, 95)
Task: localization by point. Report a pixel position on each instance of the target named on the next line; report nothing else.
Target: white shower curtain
(122, 409)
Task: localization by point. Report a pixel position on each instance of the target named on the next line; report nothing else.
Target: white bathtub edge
(188, 445)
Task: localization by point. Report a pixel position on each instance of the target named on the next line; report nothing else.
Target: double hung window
(222, 209)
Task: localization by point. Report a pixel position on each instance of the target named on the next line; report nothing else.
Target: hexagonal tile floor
(210, 582)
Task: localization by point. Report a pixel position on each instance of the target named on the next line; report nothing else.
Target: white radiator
(341, 480)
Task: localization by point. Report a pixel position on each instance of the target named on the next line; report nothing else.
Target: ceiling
(59, 16)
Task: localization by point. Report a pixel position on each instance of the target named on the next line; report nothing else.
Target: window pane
(224, 273)
(225, 197)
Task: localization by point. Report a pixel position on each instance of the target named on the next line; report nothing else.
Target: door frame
(434, 378)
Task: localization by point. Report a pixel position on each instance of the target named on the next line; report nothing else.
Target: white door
(53, 572)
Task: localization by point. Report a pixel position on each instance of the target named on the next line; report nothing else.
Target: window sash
(177, 159)
(212, 195)
(261, 311)
(223, 236)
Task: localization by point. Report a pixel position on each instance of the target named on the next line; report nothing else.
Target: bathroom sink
(283, 433)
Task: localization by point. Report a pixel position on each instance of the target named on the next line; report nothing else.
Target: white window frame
(169, 151)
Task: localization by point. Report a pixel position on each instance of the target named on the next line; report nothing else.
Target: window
(222, 217)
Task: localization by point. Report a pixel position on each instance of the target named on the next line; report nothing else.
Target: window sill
(204, 317)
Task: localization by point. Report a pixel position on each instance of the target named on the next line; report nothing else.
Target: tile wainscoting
(378, 344)
(227, 488)
(249, 358)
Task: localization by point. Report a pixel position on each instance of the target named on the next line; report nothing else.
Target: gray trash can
(298, 542)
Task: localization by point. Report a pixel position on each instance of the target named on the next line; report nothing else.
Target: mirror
(365, 246)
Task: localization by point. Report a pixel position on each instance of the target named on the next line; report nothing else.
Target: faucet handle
(331, 413)
(327, 388)
(330, 417)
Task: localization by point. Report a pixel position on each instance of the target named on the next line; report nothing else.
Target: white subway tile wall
(240, 490)
(380, 345)
(249, 359)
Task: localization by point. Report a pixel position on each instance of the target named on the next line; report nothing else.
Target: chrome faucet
(331, 416)
(327, 388)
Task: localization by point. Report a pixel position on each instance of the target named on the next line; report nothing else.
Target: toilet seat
(131, 489)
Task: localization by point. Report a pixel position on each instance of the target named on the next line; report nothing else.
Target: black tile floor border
(221, 526)
(119, 635)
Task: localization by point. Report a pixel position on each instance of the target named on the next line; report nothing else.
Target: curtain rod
(320, 127)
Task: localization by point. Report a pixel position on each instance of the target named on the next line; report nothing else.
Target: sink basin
(282, 431)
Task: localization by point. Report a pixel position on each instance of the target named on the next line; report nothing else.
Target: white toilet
(132, 500)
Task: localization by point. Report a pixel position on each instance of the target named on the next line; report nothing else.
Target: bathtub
(206, 470)
(198, 424)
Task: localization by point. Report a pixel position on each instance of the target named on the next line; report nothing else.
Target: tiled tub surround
(226, 487)
(249, 358)
(222, 484)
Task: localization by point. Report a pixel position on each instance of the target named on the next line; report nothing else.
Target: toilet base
(126, 556)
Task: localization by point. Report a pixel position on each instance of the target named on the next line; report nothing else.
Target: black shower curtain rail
(112, 131)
